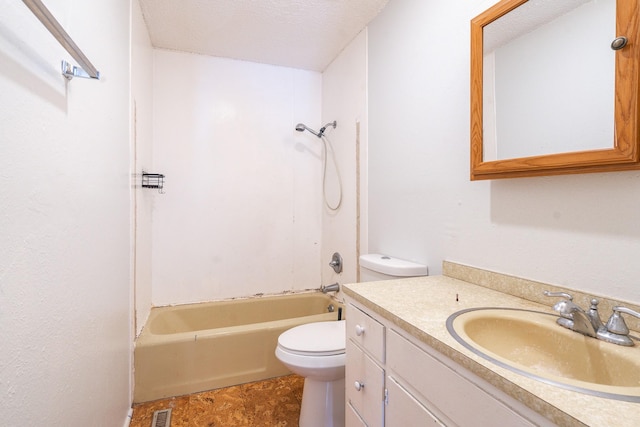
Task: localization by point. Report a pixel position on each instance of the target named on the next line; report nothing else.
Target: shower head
(300, 127)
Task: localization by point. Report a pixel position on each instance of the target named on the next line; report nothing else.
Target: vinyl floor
(269, 403)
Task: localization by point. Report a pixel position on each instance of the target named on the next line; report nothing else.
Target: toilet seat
(319, 339)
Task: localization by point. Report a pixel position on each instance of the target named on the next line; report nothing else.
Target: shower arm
(323, 128)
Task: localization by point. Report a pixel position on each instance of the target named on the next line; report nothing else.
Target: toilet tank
(375, 267)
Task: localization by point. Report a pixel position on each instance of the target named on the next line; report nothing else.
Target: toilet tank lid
(392, 266)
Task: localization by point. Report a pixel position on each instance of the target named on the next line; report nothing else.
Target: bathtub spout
(330, 288)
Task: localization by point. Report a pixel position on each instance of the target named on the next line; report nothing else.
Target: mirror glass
(549, 95)
(548, 79)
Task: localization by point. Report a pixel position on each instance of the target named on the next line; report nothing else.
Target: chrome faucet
(573, 317)
(583, 322)
(588, 322)
(335, 287)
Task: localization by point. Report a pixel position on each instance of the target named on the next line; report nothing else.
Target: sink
(530, 343)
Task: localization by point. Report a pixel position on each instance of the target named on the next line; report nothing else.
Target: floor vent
(161, 418)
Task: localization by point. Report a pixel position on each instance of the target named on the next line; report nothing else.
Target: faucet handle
(616, 323)
(558, 294)
(616, 331)
(564, 308)
(626, 310)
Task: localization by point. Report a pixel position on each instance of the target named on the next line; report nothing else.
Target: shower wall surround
(344, 97)
(241, 213)
(141, 159)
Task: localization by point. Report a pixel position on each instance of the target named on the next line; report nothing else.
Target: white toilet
(316, 351)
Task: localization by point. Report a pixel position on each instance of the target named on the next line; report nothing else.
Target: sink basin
(530, 343)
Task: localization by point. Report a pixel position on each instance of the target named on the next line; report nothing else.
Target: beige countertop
(421, 306)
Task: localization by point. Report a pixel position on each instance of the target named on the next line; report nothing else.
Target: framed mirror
(555, 88)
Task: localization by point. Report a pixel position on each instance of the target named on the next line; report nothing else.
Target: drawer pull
(359, 330)
(358, 385)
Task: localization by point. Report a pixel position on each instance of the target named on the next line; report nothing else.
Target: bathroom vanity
(404, 368)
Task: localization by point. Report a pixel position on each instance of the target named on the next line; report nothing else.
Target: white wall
(344, 98)
(241, 214)
(64, 219)
(578, 231)
(141, 160)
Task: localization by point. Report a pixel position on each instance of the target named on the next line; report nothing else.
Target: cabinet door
(352, 419)
(404, 410)
(448, 393)
(367, 396)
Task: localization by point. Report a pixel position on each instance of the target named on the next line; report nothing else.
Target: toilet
(316, 350)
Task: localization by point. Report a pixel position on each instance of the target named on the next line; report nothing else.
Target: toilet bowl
(316, 351)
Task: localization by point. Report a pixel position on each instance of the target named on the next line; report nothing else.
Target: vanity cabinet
(404, 382)
(364, 374)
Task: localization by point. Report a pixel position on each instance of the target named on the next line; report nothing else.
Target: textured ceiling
(305, 34)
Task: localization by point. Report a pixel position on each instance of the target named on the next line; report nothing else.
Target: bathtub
(195, 347)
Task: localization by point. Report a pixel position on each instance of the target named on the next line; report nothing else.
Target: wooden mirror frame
(625, 153)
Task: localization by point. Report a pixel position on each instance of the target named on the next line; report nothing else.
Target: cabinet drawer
(366, 332)
(444, 391)
(404, 410)
(368, 401)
